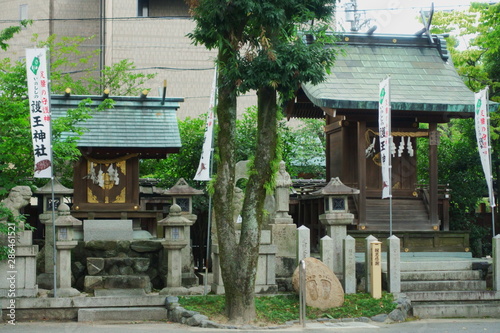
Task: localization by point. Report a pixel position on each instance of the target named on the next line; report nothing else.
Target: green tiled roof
(422, 79)
(133, 124)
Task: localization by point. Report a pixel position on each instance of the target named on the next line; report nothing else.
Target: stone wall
(119, 258)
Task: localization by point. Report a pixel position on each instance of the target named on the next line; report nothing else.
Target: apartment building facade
(150, 33)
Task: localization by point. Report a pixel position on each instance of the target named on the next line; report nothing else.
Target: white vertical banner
(39, 101)
(384, 122)
(203, 171)
(482, 121)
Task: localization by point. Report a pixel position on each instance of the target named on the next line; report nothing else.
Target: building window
(143, 8)
(23, 12)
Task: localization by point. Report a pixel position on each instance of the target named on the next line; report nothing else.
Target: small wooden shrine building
(425, 91)
(106, 178)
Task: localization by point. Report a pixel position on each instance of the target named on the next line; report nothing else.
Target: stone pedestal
(64, 288)
(188, 276)
(18, 273)
(265, 281)
(46, 279)
(336, 228)
(285, 239)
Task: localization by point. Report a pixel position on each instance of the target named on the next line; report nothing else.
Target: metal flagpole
(209, 233)
(52, 182)
(54, 256)
(204, 172)
(490, 181)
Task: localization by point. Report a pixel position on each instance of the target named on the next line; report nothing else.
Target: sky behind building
(393, 16)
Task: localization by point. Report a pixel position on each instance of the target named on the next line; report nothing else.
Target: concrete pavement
(416, 326)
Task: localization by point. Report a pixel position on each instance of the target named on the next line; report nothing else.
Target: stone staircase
(407, 215)
(449, 288)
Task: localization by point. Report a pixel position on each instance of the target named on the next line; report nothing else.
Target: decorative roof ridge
(396, 40)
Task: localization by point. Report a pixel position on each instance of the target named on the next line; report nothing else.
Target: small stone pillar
(393, 264)
(326, 251)
(174, 226)
(46, 278)
(349, 281)
(336, 217)
(368, 262)
(65, 224)
(182, 195)
(496, 263)
(303, 243)
(376, 269)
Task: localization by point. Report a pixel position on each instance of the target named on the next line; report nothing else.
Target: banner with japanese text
(482, 121)
(203, 171)
(384, 121)
(39, 103)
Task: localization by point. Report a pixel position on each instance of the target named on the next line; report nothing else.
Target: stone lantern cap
(182, 188)
(335, 187)
(175, 218)
(58, 188)
(65, 219)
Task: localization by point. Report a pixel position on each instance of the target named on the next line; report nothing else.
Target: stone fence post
(394, 264)
(496, 263)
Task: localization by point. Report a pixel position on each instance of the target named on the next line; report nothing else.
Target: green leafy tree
(474, 45)
(260, 47)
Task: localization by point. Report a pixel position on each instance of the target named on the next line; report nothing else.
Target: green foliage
(478, 63)
(183, 164)
(282, 308)
(9, 32)
(308, 150)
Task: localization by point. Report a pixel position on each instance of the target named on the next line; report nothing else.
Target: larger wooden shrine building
(425, 91)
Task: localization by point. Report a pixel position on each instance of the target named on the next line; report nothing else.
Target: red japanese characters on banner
(384, 121)
(482, 120)
(39, 101)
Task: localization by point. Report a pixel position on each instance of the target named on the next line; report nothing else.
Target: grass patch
(282, 308)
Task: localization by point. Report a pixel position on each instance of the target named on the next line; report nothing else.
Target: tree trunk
(239, 257)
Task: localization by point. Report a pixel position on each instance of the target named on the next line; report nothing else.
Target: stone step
(442, 285)
(440, 275)
(122, 314)
(448, 265)
(453, 296)
(457, 310)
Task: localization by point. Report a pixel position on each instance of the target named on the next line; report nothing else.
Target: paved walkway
(417, 326)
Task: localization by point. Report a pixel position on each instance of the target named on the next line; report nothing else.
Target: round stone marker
(323, 288)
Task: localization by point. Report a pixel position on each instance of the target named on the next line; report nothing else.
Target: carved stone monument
(323, 289)
(283, 229)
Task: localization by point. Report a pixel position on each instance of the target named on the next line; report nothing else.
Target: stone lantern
(65, 242)
(46, 279)
(174, 226)
(182, 195)
(336, 216)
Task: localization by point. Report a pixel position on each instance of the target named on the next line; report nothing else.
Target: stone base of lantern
(65, 292)
(178, 291)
